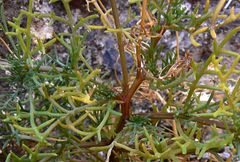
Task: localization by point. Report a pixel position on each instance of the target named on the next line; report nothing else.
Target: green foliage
(60, 111)
(103, 92)
(172, 14)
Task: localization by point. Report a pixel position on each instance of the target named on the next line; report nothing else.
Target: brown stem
(177, 46)
(6, 45)
(143, 17)
(200, 120)
(140, 77)
(155, 40)
(93, 144)
(125, 109)
(125, 106)
(126, 97)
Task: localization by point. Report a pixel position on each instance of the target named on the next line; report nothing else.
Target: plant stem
(125, 108)
(100, 11)
(200, 120)
(126, 98)
(143, 17)
(120, 47)
(140, 77)
(28, 33)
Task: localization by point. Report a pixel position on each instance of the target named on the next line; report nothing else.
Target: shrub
(63, 110)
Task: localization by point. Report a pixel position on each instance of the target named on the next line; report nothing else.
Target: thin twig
(41, 68)
(143, 17)
(120, 46)
(94, 144)
(100, 11)
(200, 120)
(115, 72)
(6, 45)
(177, 46)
